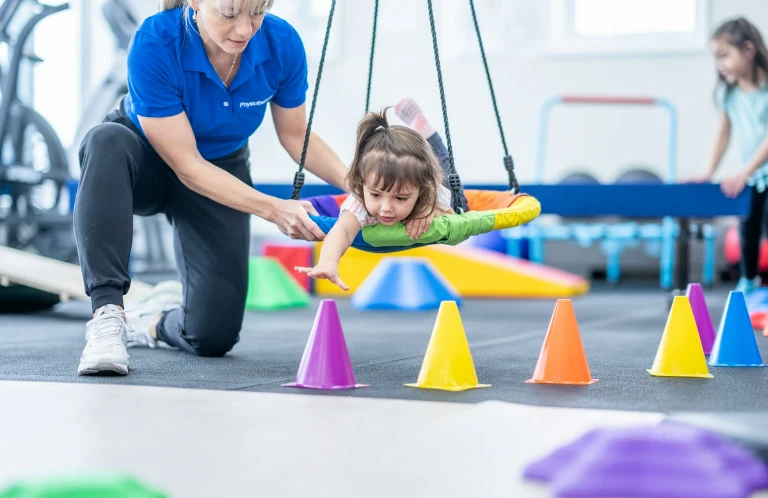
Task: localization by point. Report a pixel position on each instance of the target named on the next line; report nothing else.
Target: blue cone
(407, 284)
(735, 344)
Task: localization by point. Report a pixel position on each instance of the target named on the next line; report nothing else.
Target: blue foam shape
(735, 344)
(757, 300)
(493, 241)
(405, 284)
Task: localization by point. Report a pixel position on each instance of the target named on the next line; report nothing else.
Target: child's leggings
(438, 147)
(751, 232)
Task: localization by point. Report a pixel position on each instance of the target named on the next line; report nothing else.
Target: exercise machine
(123, 23)
(34, 171)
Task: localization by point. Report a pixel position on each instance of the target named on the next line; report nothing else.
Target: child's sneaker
(746, 286)
(105, 350)
(163, 297)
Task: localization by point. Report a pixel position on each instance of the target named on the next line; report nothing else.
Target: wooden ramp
(49, 275)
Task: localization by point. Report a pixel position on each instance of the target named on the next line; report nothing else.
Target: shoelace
(108, 326)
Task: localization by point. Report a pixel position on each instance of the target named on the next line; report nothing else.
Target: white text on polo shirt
(255, 102)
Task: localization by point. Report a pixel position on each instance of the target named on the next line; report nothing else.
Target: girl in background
(741, 96)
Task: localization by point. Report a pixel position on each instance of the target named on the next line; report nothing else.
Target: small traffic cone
(448, 362)
(562, 359)
(701, 315)
(680, 353)
(404, 284)
(326, 363)
(271, 287)
(735, 345)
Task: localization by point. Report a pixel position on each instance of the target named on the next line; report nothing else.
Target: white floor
(196, 443)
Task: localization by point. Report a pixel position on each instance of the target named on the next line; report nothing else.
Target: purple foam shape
(701, 315)
(326, 363)
(325, 205)
(546, 468)
(753, 472)
(668, 460)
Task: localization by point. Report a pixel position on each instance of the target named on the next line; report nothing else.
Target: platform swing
(488, 209)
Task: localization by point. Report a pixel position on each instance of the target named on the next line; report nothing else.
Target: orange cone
(765, 332)
(562, 359)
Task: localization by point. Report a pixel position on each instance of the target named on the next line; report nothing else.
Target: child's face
(390, 207)
(732, 63)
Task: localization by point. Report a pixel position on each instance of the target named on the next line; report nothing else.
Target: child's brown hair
(741, 34)
(395, 156)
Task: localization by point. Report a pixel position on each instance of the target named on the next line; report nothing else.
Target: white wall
(601, 140)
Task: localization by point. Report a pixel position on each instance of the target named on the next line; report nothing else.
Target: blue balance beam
(685, 200)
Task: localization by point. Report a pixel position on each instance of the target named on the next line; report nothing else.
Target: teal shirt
(748, 113)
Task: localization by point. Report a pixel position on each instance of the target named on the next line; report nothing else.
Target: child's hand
(733, 185)
(417, 227)
(323, 270)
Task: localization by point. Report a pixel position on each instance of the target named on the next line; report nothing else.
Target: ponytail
(369, 126)
(170, 4)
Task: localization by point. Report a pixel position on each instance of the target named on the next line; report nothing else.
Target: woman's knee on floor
(215, 341)
(213, 332)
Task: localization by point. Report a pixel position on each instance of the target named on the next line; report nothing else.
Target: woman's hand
(417, 227)
(733, 185)
(292, 218)
(324, 270)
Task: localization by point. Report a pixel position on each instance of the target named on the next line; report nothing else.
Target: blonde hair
(397, 157)
(249, 5)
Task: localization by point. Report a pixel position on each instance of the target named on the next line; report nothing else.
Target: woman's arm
(291, 126)
(174, 141)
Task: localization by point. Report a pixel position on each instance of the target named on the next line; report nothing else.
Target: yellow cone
(680, 353)
(448, 362)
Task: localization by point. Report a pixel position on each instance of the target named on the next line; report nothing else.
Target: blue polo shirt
(169, 72)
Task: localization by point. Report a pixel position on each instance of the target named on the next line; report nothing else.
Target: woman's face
(230, 24)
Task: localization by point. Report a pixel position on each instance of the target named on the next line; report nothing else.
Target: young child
(742, 98)
(395, 177)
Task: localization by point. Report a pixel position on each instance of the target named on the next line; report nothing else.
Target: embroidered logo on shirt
(254, 103)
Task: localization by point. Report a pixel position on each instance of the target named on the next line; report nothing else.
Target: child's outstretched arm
(734, 184)
(336, 243)
(720, 146)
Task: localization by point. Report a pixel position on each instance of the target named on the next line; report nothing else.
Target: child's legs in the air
(751, 231)
(409, 111)
(438, 147)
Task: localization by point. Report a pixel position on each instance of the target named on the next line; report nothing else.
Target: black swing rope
(370, 60)
(509, 164)
(298, 178)
(454, 180)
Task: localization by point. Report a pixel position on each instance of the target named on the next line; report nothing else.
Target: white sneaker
(163, 297)
(105, 350)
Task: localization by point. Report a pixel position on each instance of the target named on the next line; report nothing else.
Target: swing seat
(488, 210)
